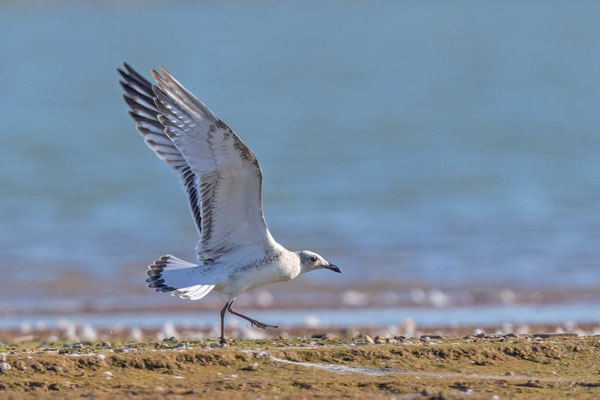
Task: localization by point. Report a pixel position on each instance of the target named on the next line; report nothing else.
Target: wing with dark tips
(139, 97)
(219, 172)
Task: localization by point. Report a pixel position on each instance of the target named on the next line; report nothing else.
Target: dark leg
(222, 339)
(253, 322)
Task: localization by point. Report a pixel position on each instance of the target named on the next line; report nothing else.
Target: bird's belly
(249, 277)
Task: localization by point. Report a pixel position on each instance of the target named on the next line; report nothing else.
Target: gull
(223, 182)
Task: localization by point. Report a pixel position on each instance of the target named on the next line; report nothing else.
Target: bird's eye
(313, 259)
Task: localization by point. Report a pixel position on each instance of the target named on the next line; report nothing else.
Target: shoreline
(443, 317)
(71, 332)
(95, 294)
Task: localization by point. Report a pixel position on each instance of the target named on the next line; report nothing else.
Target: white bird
(223, 182)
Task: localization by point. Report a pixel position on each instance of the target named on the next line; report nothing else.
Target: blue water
(447, 142)
(439, 317)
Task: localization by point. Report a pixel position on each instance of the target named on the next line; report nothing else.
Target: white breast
(280, 268)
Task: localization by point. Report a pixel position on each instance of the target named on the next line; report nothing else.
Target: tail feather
(171, 274)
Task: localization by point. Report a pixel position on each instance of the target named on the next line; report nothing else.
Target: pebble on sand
(5, 367)
(251, 367)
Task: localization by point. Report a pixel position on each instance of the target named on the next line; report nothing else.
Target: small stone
(425, 339)
(78, 346)
(251, 367)
(3, 357)
(378, 340)
(108, 373)
(105, 344)
(509, 373)
(37, 385)
(69, 385)
(214, 345)
(369, 340)
(53, 386)
(56, 368)
(534, 383)
(101, 356)
(5, 367)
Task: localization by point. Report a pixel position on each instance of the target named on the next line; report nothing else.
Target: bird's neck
(292, 264)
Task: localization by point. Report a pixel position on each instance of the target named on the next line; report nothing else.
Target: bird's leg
(222, 339)
(253, 322)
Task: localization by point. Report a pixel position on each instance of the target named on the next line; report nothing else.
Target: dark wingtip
(123, 74)
(127, 66)
(125, 85)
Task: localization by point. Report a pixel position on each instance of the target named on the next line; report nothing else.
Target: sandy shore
(322, 366)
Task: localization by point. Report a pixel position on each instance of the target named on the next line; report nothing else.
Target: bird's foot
(262, 325)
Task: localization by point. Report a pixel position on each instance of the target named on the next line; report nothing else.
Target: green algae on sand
(507, 367)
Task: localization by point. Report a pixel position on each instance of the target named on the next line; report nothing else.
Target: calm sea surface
(445, 142)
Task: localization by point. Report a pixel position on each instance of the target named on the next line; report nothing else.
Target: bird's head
(310, 261)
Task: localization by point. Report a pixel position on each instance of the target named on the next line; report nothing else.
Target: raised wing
(227, 175)
(140, 99)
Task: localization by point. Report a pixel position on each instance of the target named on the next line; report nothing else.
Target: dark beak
(334, 268)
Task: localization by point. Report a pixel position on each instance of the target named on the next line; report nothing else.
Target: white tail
(170, 274)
